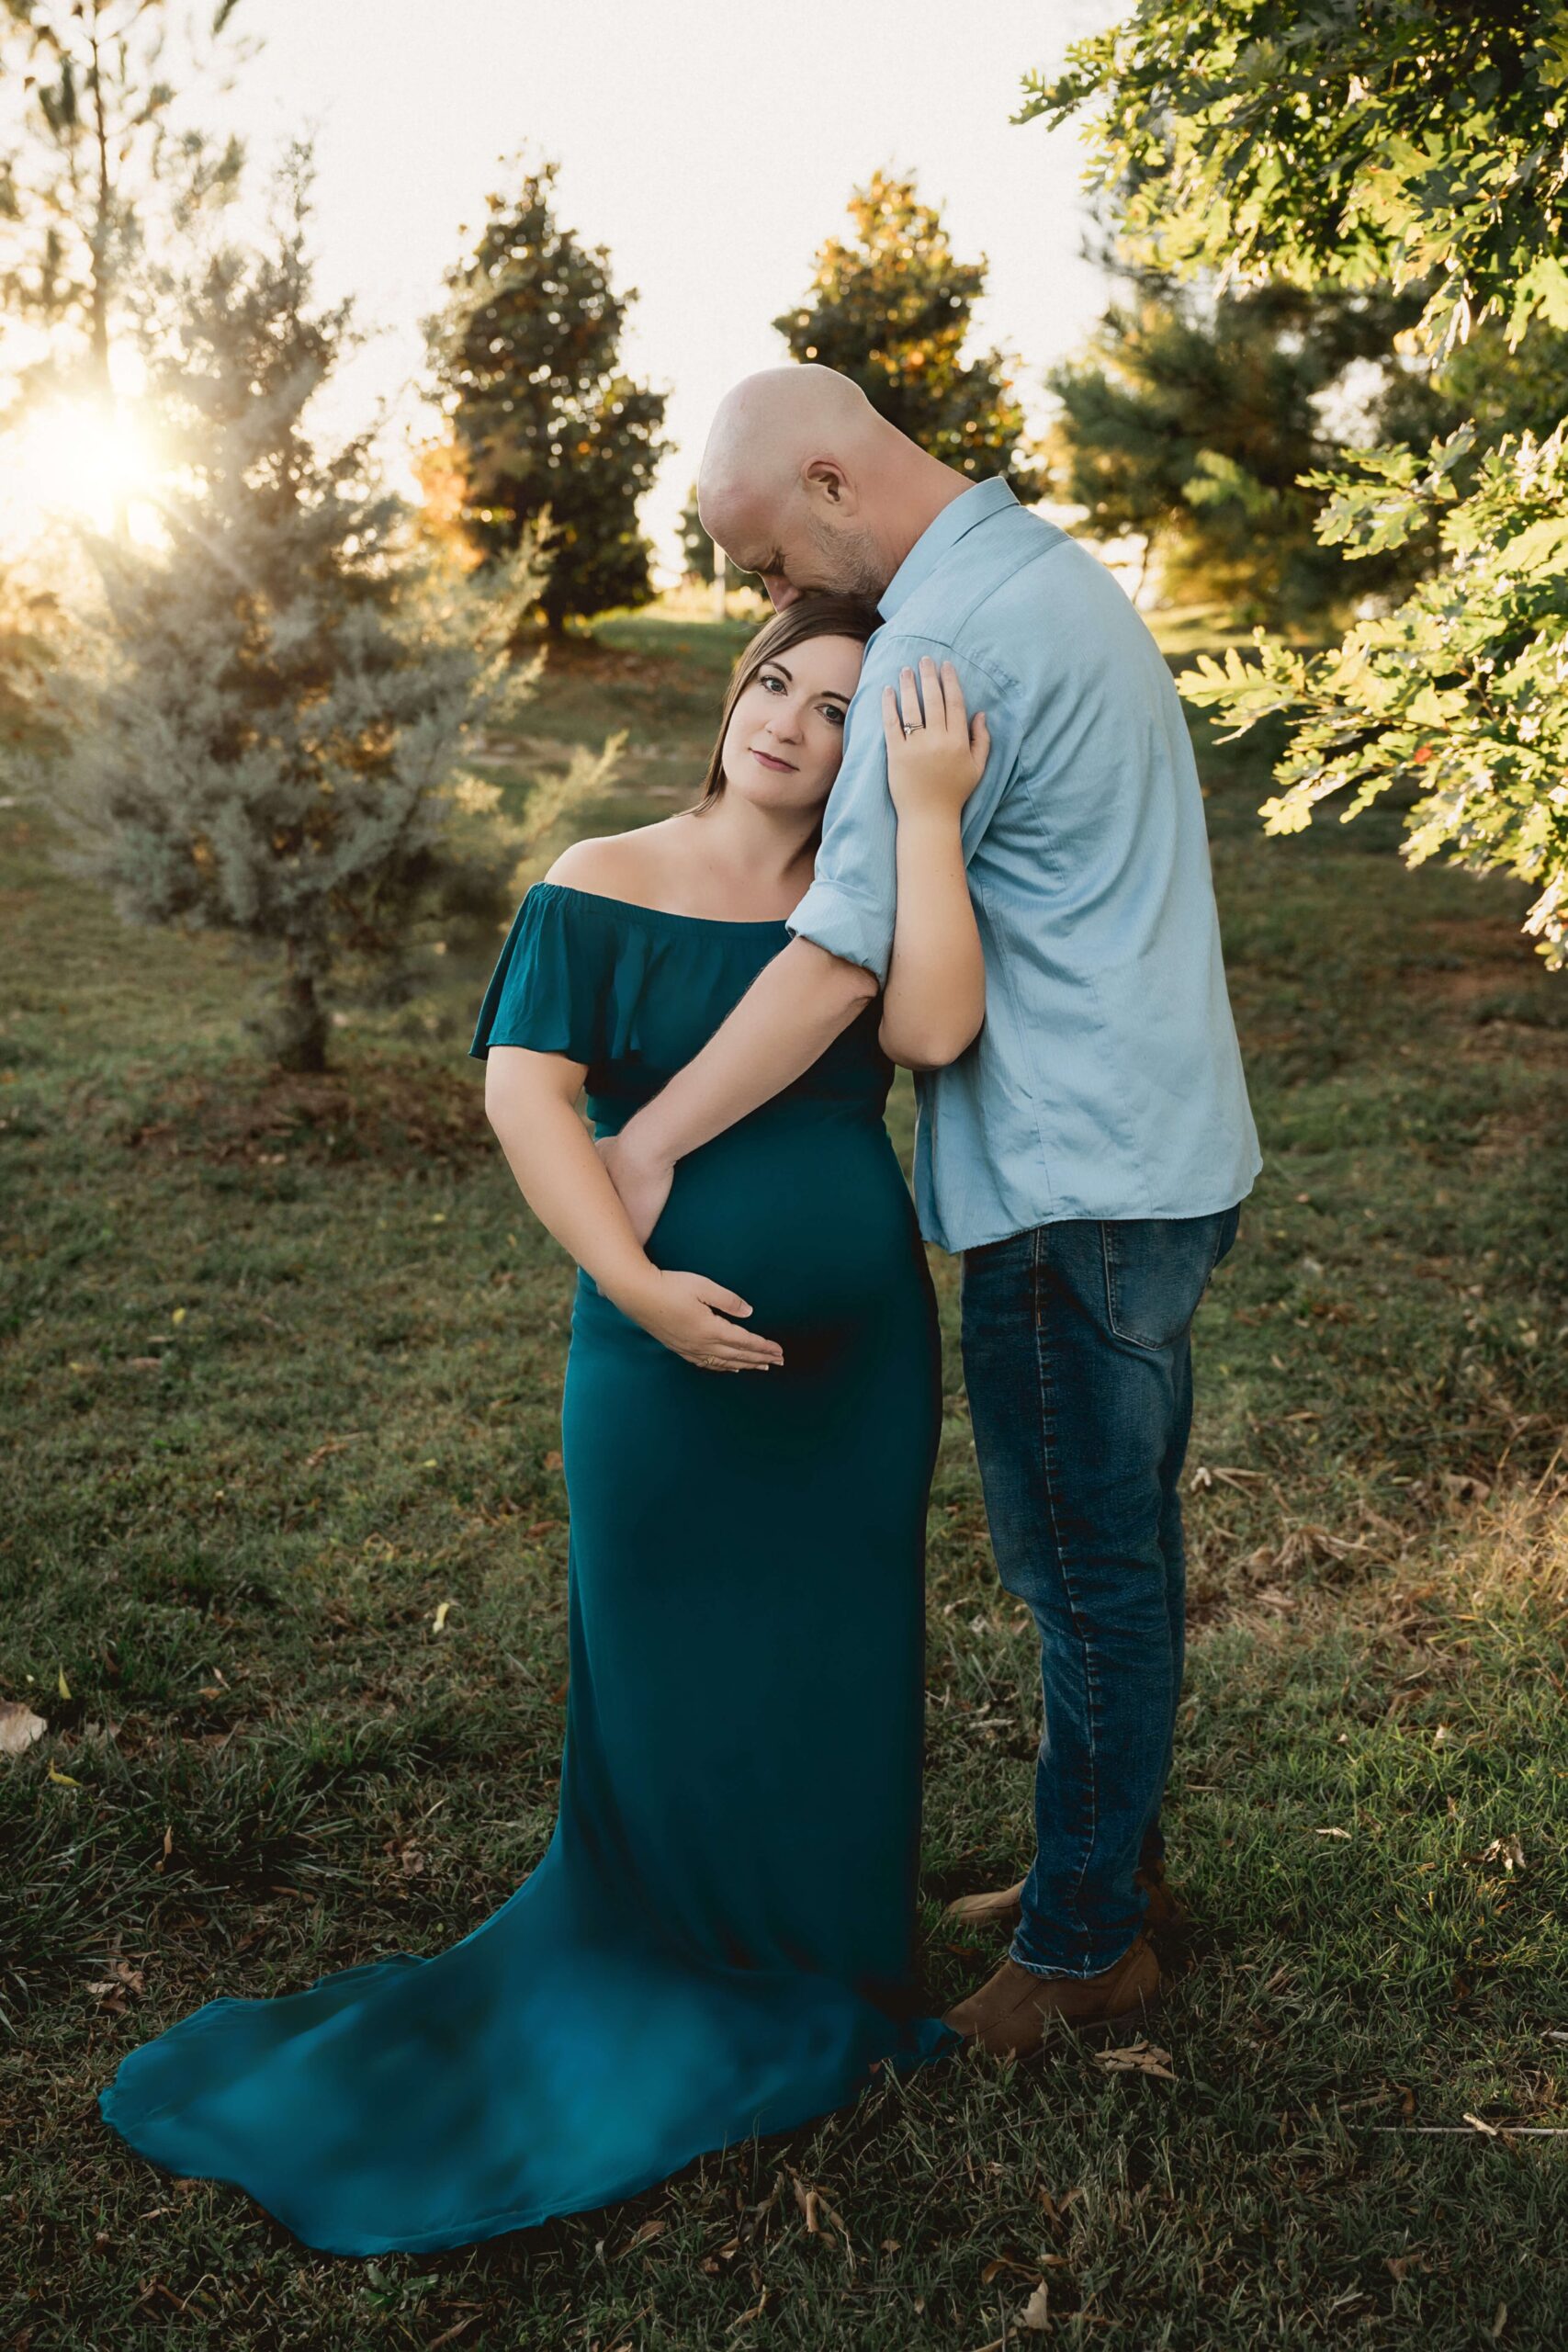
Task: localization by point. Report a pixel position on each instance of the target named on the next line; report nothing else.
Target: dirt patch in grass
(591, 661)
(397, 1114)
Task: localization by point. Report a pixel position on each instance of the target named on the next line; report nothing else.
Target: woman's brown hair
(808, 617)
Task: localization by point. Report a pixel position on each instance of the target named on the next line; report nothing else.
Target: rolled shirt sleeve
(851, 904)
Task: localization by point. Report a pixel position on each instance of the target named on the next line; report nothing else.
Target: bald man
(1087, 1155)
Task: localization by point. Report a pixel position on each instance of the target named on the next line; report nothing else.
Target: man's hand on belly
(642, 1179)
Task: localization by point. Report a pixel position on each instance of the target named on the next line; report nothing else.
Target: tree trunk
(302, 1024)
(1144, 569)
(98, 243)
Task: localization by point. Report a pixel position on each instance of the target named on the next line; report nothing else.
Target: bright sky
(711, 147)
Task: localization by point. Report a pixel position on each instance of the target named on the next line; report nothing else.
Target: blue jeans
(1077, 1358)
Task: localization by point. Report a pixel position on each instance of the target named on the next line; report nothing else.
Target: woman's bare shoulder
(618, 865)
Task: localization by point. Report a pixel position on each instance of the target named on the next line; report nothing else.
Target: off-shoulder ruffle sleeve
(553, 981)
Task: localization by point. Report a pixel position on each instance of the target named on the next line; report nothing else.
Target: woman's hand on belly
(689, 1314)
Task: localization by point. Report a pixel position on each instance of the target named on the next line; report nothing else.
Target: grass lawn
(282, 1556)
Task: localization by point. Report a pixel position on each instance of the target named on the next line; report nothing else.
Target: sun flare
(80, 460)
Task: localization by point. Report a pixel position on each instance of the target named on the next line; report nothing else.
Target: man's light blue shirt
(1106, 1082)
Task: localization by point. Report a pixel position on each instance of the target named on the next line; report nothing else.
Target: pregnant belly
(807, 1218)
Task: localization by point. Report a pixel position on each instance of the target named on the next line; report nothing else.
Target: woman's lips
(768, 760)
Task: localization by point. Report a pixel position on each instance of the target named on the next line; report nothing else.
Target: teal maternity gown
(718, 1938)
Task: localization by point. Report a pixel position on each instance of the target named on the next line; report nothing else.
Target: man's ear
(825, 479)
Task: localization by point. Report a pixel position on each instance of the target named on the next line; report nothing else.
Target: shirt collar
(975, 505)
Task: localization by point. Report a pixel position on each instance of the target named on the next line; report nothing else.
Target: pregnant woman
(718, 1939)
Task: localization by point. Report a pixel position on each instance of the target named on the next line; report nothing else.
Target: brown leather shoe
(1003, 1906)
(1008, 2016)
(1000, 1907)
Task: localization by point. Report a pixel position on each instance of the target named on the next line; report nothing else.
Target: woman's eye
(834, 718)
(768, 681)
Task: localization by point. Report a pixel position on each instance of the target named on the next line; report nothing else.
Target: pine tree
(261, 725)
(891, 308)
(29, 620)
(1190, 419)
(543, 417)
(92, 149)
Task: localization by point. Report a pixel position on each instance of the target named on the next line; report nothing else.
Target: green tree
(29, 619)
(261, 727)
(544, 419)
(87, 148)
(1341, 144)
(1192, 415)
(891, 308)
(697, 550)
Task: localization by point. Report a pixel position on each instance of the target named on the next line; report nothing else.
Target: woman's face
(786, 732)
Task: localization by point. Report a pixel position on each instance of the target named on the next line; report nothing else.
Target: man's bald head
(766, 431)
(803, 482)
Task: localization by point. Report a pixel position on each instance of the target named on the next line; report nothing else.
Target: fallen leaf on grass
(109, 1991)
(439, 1623)
(406, 1853)
(156, 2286)
(453, 2333)
(816, 2212)
(1506, 1850)
(1036, 2313)
(18, 1728)
(1204, 1477)
(1055, 2207)
(1307, 1544)
(63, 1778)
(1137, 2058)
(758, 2308)
(645, 2235)
(1465, 1489)
(1001, 2262)
(1331, 1833)
(332, 1445)
(808, 2200)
